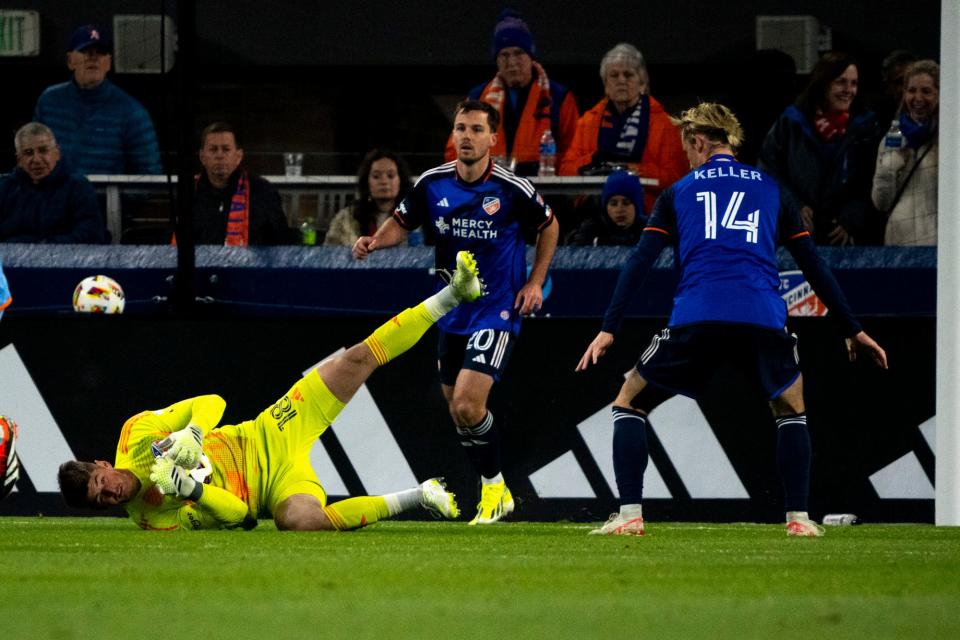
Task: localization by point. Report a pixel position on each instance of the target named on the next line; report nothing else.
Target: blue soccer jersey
(5, 298)
(489, 218)
(726, 219)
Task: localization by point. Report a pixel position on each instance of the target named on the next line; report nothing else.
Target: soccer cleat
(804, 528)
(437, 500)
(496, 501)
(466, 281)
(617, 525)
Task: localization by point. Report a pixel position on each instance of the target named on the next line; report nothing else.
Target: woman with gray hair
(627, 127)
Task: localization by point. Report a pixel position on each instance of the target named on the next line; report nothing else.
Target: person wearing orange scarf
(529, 102)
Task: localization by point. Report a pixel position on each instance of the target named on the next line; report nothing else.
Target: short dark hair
(220, 127)
(493, 116)
(74, 479)
(828, 68)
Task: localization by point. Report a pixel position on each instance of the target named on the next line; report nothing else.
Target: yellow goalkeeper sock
(400, 333)
(354, 513)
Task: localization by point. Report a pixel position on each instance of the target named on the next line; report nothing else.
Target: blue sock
(793, 460)
(482, 443)
(629, 453)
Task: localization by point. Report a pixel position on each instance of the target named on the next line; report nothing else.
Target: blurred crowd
(861, 174)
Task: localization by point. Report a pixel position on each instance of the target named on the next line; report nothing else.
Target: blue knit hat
(623, 183)
(512, 31)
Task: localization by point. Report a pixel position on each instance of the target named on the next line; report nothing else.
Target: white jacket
(913, 220)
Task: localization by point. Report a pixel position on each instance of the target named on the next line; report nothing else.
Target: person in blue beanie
(622, 217)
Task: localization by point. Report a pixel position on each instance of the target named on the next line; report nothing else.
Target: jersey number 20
(729, 221)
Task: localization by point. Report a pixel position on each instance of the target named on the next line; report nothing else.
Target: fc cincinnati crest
(799, 295)
(491, 205)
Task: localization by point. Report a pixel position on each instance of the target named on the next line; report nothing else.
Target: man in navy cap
(528, 101)
(101, 128)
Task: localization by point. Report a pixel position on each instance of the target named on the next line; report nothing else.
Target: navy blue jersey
(487, 217)
(725, 220)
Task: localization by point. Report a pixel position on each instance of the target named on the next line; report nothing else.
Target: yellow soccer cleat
(437, 500)
(466, 281)
(496, 501)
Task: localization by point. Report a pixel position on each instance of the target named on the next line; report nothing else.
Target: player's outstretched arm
(863, 342)
(389, 234)
(595, 350)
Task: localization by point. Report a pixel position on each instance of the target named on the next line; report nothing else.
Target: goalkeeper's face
(108, 486)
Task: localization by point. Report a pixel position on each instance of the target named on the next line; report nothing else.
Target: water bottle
(840, 519)
(548, 154)
(893, 141)
(308, 233)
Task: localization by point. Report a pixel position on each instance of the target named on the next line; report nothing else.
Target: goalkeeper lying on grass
(173, 469)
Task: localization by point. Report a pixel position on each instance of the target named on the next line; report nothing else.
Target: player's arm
(656, 235)
(530, 297)
(187, 422)
(406, 218)
(818, 274)
(205, 506)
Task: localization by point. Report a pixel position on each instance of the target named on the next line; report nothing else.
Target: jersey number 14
(729, 220)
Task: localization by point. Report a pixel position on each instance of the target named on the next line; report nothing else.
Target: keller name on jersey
(726, 172)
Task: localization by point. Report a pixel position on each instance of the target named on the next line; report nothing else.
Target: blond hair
(715, 121)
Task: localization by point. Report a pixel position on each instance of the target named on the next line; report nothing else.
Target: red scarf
(831, 126)
(238, 218)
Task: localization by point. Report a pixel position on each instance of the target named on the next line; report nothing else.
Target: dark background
(335, 79)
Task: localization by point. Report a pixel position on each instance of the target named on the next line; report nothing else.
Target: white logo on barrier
(904, 478)
(686, 436)
(370, 445)
(40, 444)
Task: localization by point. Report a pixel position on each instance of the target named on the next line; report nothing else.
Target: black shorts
(485, 350)
(685, 359)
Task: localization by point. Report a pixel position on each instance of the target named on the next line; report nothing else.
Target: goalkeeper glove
(184, 447)
(174, 480)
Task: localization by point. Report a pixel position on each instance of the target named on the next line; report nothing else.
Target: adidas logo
(443, 203)
(480, 359)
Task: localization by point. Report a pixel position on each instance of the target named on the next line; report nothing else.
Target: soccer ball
(98, 294)
(9, 464)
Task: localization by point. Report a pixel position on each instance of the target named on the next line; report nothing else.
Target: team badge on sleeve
(491, 205)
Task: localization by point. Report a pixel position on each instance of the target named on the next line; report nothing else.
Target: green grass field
(103, 578)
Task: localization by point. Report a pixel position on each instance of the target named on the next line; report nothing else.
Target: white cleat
(437, 500)
(466, 281)
(617, 525)
(804, 528)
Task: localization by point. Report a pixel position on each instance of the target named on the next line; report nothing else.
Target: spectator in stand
(232, 206)
(528, 101)
(101, 128)
(891, 71)
(822, 150)
(382, 182)
(905, 181)
(43, 200)
(622, 219)
(627, 127)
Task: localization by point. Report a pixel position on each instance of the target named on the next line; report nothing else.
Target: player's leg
(636, 399)
(469, 366)
(780, 376)
(346, 372)
(306, 511)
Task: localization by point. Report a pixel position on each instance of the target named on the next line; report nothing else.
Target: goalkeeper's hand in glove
(174, 480)
(184, 447)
